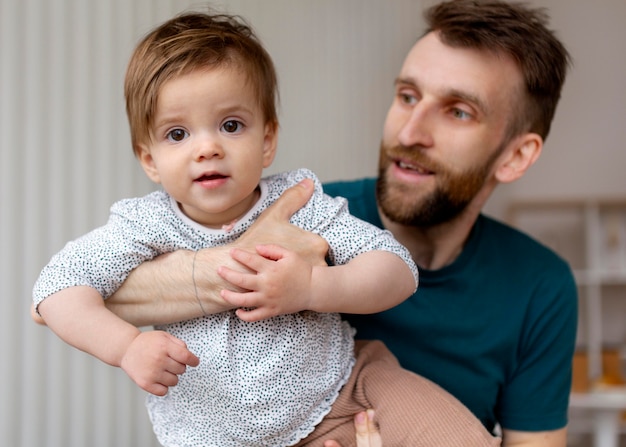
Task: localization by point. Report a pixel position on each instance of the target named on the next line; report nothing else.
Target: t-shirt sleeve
(104, 257)
(347, 235)
(537, 395)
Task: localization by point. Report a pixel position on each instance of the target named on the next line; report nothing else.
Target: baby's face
(210, 143)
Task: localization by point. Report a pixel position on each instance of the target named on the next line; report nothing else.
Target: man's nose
(417, 129)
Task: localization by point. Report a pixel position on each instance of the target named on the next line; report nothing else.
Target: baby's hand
(155, 359)
(279, 283)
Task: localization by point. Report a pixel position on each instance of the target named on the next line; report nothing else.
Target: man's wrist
(195, 285)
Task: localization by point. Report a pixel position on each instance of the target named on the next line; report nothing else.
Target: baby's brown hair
(186, 43)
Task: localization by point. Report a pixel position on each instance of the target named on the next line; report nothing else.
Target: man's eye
(232, 126)
(176, 135)
(461, 114)
(406, 98)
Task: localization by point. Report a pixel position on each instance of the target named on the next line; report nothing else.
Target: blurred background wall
(65, 155)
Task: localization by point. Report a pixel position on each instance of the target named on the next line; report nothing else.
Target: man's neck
(435, 247)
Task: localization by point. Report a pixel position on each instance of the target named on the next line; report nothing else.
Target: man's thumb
(293, 199)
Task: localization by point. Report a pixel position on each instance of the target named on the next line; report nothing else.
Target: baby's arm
(152, 359)
(281, 282)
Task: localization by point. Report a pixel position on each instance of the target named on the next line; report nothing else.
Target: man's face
(444, 130)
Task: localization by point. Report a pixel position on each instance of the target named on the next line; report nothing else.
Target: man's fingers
(367, 434)
(292, 200)
(331, 444)
(361, 426)
(372, 425)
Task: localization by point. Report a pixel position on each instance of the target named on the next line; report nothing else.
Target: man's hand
(155, 359)
(273, 227)
(367, 434)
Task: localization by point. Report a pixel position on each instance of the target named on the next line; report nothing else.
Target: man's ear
(522, 153)
(147, 163)
(270, 142)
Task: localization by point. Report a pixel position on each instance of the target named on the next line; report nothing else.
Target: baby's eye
(177, 135)
(232, 126)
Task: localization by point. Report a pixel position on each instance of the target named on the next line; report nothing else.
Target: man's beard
(453, 192)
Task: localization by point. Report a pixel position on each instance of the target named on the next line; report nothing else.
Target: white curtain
(65, 158)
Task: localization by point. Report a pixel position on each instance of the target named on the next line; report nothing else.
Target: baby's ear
(147, 163)
(270, 142)
(523, 151)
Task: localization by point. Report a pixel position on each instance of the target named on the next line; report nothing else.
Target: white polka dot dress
(266, 383)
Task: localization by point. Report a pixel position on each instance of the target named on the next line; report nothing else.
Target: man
(494, 317)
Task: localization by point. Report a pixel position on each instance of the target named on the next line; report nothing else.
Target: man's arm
(162, 290)
(555, 438)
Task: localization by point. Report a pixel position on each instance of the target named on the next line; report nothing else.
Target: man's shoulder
(503, 233)
(521, 250)
(361, 197)
(358, 189)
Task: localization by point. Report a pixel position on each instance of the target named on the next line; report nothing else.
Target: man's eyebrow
(405, 81)
(469, 98)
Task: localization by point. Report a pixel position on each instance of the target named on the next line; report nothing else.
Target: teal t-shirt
(496, 328)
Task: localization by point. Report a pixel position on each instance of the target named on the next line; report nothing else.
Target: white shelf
(600, 277)
(606, 406)
(591, 235)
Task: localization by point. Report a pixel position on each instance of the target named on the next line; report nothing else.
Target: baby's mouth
(209, 177)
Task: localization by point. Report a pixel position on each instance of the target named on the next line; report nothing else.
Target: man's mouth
(412, 167)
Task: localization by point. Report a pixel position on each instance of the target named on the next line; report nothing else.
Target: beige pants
(410, 410)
